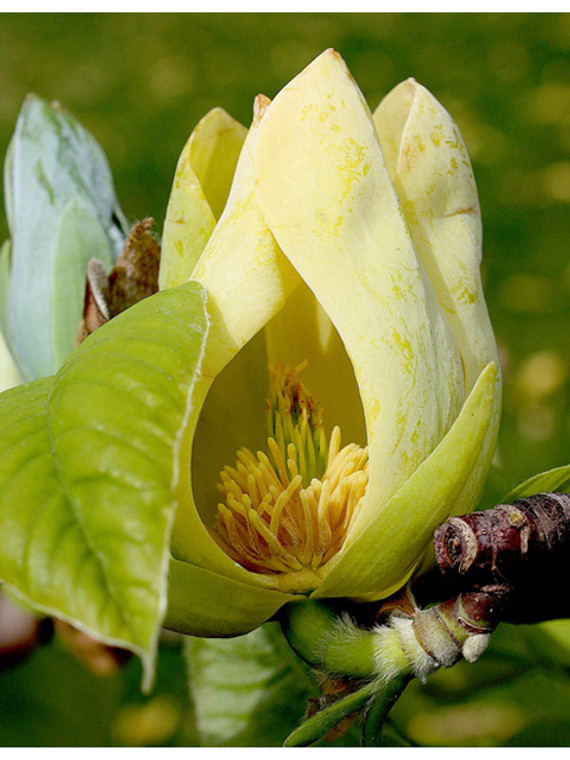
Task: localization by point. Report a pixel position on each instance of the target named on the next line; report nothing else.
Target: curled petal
(247, 280)
(324, 191)
(432, 174)
(8, 372)
(199, 192)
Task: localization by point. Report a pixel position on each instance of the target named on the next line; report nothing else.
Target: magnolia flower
(349, 246)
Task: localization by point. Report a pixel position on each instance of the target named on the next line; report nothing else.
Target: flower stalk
(504, 564)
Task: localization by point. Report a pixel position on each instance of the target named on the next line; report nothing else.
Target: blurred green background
(140, 82)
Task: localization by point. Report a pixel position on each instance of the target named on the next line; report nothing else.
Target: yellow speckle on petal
(437, 135)
(406, 351)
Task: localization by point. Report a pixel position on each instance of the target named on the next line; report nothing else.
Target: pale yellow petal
(233, 416)
(202, 603)
(199, 192)
(191, 542)
(432, 174)
(9, 376)
(430, 168)
(214, 153)
(247, 279)
(246, 275)
(302, 330)
(325, 192)
(377, 562)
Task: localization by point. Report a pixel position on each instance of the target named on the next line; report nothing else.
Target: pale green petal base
(203, 603)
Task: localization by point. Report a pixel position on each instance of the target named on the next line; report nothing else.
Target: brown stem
(519, 550)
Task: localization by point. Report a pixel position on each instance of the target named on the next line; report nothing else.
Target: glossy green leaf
(325, 720)
(51, 161)
(557, 479)
(250, 690)
(88, 468)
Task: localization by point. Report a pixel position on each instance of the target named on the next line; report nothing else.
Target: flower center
(288, 511)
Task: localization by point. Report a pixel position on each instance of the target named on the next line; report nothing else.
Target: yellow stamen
(289, 513)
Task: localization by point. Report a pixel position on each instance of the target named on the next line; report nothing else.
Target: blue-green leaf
(88, 468)
(80, 237)
(51, 162)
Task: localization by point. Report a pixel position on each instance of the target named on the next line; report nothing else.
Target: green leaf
(52, 161)
(496, 485)
(88, 468)
(557, 479)
(325, 720)
(250, 690)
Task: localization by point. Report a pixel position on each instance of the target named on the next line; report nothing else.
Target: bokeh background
(139, 83)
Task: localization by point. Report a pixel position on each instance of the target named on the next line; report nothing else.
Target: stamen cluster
(278, 516)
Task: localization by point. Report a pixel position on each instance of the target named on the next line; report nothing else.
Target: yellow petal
(325, 193)
(379, 561)
(247, 280)
(9, 376)
(232, 416)
(432, 174)
(202, 603)
(246, 275)
(199, 192)
(302, 330)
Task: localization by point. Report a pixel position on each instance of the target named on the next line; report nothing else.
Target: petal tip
(260, 106)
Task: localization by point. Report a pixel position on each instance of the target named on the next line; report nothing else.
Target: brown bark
(521, 550)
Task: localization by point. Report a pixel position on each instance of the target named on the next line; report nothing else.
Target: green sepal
(204, 603)
(249, 690)
(326, 641)
(88, 469)
(52, 161)
(383, 557)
